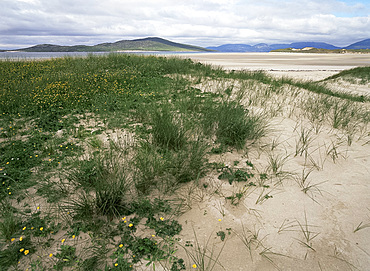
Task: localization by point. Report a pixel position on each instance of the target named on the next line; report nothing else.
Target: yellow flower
(116, 264)
(38, 207)
(21, 238)
(24, 228)
(63, 240)
(220, 220)
(194, 266)
(73, 236)
(51, 255)
(161, 218)
(12, 239)
(26, 252)
(21, 250)
(130, 225)
(121, 245)
(123, 218)
(42, 228)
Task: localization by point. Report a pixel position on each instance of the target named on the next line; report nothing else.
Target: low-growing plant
(203, 257)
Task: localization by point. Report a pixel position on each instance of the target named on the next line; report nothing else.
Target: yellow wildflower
(51, 255)
(26, 252)
(21, 238)
(21, 250)
(121, 245)
(73, 236)
(24, 228)
(130, 225)
(161, 218)
(12, 239)
(116, 264)
(194, 266)
(42, 228)
(63, 240)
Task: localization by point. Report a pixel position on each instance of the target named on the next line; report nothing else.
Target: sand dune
(313, 211)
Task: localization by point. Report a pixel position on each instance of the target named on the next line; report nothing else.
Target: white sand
(300, 65)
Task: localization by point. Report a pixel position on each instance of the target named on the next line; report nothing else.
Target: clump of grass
(166, 132)
(234, 124)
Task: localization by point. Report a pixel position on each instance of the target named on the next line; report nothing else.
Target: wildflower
(26, 252)
(21, 250)
(20, 238)
(130, 225)
(123, 218)
(161, 218)
(24, 228)
(121, 245)
(12, 239)
(51, 255)
(63, 240)
(42, 228)
(194, 266)
(73, 236)
(220, 220)
(38, 208)
(116, 264)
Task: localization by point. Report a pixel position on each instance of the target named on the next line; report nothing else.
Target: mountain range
(146, 44)
(159, 44)
(263, 47)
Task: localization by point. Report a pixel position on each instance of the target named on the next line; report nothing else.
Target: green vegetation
(360, 74)
(93, 148)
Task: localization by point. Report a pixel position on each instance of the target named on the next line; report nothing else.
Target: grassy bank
(93, 149)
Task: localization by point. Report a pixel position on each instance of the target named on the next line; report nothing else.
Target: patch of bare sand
(303, 218)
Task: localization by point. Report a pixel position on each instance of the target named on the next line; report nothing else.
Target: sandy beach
(298, 65)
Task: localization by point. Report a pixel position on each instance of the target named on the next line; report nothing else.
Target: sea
(15, 55)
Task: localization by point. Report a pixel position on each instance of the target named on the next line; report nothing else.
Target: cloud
(204, 23)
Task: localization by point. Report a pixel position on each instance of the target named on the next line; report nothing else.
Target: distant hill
(263, 47)
(146, 44)
(364, 44)
(322, 51)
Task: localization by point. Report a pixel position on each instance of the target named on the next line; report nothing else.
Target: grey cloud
(204, 23)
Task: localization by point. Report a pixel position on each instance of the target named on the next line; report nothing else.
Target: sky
(203, 23)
